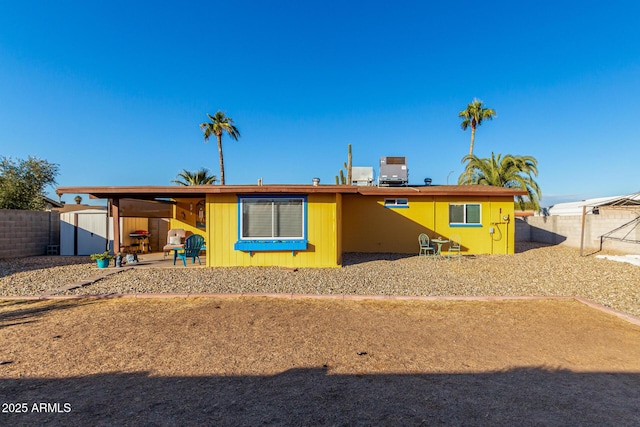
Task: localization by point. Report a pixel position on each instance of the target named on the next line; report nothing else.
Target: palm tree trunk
(221, 159)
(473, 137)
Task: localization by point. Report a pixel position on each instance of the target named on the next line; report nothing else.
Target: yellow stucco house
(312, 226)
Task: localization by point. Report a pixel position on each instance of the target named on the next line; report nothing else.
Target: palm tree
(508, 171)
(199, 177)
(219, 123)
(473, 116)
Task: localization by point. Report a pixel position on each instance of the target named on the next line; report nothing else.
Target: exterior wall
(566, 230)
(185, 216)
(129, 225)
(85, 232)
(369, 226)
(27, 233)
(523, 230)
(158, 228)
(322, 234)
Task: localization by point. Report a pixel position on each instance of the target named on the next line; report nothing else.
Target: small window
(396, 203)
(464, 214)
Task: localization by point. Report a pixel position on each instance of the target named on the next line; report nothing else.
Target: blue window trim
(270, 245)
(261, 245)
(455, 224)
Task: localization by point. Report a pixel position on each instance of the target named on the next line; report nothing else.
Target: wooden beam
(115, 214)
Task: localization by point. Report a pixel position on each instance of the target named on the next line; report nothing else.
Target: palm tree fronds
(509, 171)
(219, 124)
(200, 177)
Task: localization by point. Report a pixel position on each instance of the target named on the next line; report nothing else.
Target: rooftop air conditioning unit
(393, 171)
(362, 175)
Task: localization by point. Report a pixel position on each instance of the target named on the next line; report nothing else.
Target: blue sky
(113, 92)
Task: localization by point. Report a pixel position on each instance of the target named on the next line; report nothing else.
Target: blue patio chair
(425, 246)
(192, 247)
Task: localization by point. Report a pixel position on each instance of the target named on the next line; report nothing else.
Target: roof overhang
(158, 193)
(133, 208)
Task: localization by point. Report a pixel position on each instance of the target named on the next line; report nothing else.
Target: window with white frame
(464, 214)
(396, 203)
(272, 218)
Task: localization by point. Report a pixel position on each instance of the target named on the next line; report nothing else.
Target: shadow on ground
(535, 396)
(11, 266)
(352, 258)
(27, 311)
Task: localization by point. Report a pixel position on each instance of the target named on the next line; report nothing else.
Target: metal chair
(454, 247)
(425, 246)
(192, 247)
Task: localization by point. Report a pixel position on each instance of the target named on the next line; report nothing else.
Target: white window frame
(464, 215)
(396, 203)
(272, 200)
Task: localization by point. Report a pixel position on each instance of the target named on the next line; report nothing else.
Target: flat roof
(174, 191)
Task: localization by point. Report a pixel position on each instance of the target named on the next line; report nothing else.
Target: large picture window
(271, 223)
(464, 214)
(272, 218)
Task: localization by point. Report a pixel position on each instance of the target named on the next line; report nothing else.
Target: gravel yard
(534, 270)
(307, 361)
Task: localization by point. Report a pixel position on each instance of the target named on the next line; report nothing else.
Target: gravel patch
(535, 270)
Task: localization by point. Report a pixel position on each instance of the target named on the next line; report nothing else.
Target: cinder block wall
(566, 230)
(523, 231)
(27, 233)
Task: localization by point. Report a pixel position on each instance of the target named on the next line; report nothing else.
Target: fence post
(584, 215)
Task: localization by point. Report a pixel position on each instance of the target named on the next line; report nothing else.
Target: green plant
(347, 165)
(200, 177)
(508, 171)
(104, 255)
(23, 182)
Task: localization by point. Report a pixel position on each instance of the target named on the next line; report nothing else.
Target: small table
(439, 242)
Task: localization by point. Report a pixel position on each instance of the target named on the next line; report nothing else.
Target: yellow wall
(352, 223)
(129, 225)
(185, 216)
(368, 226)
(322, 233)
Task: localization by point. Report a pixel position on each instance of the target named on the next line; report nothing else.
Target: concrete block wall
(523, 231)
(27, 233)
(566, 230)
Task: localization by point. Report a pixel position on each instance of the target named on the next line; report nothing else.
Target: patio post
(115, 214)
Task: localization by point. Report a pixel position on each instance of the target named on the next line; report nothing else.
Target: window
(396, 203)
(464, 214)
(271, 223)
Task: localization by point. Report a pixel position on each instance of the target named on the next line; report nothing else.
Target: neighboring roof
(128, 208)
(52, 203)
(102, 210)
(73, 207)
(575, 208)
(173, 192)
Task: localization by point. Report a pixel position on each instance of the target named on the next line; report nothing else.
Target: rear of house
(312, 226)
(297, 228)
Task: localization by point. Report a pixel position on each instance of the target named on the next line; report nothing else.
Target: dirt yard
(264, 361)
